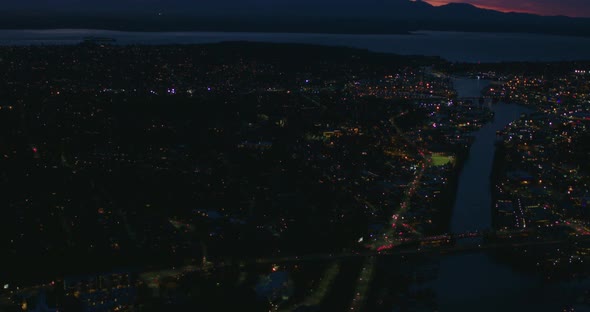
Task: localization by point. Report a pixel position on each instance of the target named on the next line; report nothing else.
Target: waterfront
(453, 46)
(476, 282)
(472, 206)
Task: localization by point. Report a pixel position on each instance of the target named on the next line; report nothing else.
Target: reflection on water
(472, 206)
(475, 282)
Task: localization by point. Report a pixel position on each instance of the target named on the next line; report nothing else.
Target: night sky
(579, 8)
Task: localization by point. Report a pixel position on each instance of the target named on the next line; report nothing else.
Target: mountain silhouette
(330, 16)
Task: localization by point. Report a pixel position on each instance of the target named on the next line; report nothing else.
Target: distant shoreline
(463, 47)
(415, 32)
(335, 26)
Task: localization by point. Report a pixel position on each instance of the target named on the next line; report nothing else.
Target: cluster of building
(159, 155)
(542, 180)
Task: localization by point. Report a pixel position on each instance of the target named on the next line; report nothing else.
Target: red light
(385, 247)
(35, 150)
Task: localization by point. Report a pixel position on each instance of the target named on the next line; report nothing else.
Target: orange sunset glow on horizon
(573, 8)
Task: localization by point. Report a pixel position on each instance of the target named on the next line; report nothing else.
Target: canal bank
(475, 282)
(471, 211)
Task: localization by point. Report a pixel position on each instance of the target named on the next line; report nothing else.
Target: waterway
(473, 202)
(475, 282)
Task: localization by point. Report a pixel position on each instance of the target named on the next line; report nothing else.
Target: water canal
(475, 282)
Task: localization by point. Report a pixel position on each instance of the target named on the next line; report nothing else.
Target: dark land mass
(134, 163)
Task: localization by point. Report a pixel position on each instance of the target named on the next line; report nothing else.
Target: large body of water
(475, 282)
(453, 46)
